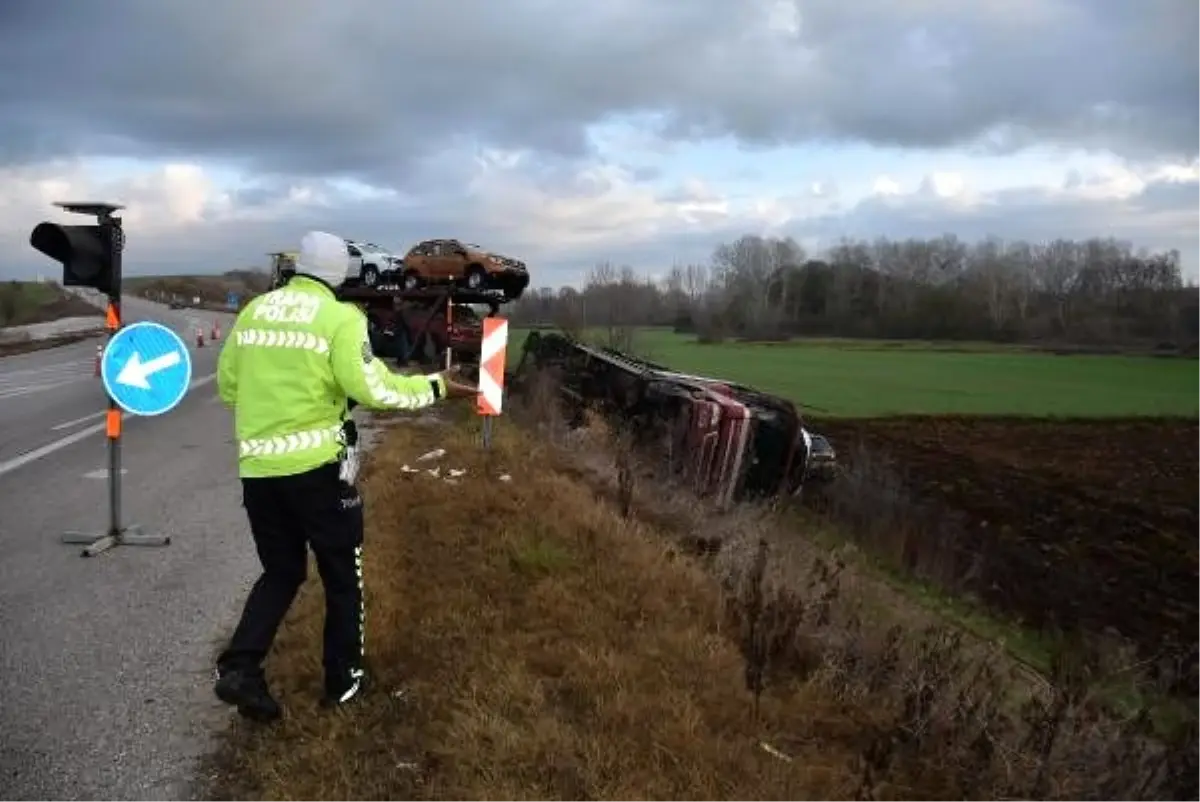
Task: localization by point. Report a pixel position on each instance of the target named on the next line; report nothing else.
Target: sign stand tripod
(117, 534)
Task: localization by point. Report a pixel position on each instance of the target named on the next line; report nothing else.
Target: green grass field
(869, 379)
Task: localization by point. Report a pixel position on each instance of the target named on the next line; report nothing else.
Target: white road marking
(49, 448)
(17, 392)
(15, 383)
(21, 375)
(43, 451)
(70, 423)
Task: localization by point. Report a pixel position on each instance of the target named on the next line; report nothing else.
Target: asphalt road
(105, 691)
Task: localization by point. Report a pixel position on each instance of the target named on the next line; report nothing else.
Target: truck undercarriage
(725, 441)
(429, 325)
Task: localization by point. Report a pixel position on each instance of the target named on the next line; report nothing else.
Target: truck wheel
(476, 277)
(370, 275)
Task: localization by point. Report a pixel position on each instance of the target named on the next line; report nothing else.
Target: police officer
(294, 359)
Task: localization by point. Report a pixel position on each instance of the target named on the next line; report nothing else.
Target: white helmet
(324, 256)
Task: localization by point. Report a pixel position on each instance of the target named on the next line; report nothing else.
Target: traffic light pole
(117, 534)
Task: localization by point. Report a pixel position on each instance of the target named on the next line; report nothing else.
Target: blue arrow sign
(231, 300)
(146, 368)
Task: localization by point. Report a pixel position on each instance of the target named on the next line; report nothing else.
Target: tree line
(1097, 291)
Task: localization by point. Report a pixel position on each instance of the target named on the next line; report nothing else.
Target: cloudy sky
(568, 132)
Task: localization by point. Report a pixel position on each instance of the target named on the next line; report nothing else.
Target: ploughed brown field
(1078, 524)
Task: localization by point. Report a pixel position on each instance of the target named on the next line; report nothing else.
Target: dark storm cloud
(1176, 197)
(370, 88)
(1164, 215)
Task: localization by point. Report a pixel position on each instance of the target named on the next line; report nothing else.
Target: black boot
(249, 692)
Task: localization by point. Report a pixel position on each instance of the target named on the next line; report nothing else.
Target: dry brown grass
(528, 640)
(544, 648)
(211, 289)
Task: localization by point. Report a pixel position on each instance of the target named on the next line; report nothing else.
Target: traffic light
(82, 250)
(90, 255)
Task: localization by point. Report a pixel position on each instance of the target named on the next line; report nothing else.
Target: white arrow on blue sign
(146, 369)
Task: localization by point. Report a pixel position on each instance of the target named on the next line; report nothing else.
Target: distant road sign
(231, 300)
(146, 369)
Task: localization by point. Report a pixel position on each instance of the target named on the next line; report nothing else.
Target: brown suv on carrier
(438, 261)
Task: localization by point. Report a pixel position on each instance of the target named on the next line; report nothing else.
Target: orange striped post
(112, 424)
(490, 400)
(112, 322)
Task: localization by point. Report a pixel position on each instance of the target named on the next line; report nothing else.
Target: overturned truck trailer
(726, 441)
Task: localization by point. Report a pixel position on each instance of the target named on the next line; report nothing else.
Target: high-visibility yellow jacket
(287, 368)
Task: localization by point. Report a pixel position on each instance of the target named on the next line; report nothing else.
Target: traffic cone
(216, 331)
(99, 353)
(199, 336)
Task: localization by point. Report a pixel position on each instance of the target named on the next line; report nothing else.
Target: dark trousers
(288, 515)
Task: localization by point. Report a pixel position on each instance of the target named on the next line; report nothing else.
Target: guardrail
(52, 330)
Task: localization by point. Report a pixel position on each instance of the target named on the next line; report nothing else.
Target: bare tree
(992, 273)
(1098, 290)
(1058, 275)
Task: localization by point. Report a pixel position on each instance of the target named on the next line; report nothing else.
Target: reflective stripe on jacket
(287, 368)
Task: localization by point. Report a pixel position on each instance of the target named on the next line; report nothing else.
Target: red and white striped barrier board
(491, 365)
